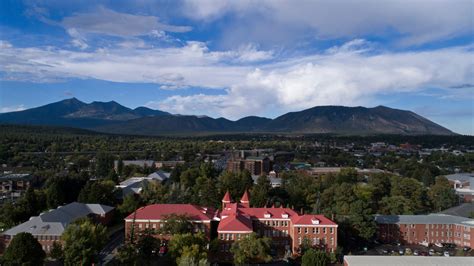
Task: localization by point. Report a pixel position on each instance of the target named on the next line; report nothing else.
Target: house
(425, 229)
(134, 185)
(463, 184)
(13, 185)
(287, 228)
(49, 226)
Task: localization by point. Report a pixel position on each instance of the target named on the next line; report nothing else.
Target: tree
(314, 257)
(56, 252)
(104, 162)
(251, 249)
(130, 204)
(127, 254)
(176, 224)
(147, 245)
(205, 192)
(153, 192)
(347, 175)
(442, 194)
(83, 240)
(259, 193)
(395, 205)
(101, 192)
(361, 219)
(188, 246)
(24, 249)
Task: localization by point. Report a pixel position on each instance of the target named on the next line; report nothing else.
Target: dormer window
(267, 215)
(315, 221)
(284, 215)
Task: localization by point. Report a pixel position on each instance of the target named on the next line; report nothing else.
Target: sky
(238, 58)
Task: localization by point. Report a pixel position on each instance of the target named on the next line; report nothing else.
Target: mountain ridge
(112, 117)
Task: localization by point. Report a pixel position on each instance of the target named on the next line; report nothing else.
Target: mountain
(74, 113)
(111, 117)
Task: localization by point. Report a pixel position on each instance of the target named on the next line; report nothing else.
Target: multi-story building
(286, 228)
(426, 229)
(255, 165)
(48, 227)
(13, 185)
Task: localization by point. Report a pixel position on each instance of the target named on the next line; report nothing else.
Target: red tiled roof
(235, 223)
(159, 211)
(259, 213)
(245, 197)
(227, 197)
(307, 219)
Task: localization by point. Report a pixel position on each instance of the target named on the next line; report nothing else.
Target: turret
(226, 199)
(245, 200)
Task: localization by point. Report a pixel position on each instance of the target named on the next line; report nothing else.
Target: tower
(245, 200)
(226, 199)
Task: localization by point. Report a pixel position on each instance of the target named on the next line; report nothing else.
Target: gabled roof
(235, 223)
(312, 219)
(160, 211)
(55, 221)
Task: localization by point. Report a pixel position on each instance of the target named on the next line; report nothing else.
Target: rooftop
(55, 221)
(160, 211)
(423, 219)
(407, 261)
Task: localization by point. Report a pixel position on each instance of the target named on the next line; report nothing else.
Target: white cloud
(416, 22)
(345, 75)
(15, 108)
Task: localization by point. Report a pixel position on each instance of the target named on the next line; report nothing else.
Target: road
(107, 254)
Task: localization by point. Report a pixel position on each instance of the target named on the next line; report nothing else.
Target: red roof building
(284, 226)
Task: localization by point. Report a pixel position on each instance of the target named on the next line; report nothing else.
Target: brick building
(284, 226)
(48, 227)
(256, 165)
(426, 229)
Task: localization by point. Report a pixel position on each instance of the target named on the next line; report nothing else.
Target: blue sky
(239, 58)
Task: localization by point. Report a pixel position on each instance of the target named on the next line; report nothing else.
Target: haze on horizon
(239, 58)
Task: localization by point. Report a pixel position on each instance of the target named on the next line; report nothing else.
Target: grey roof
(424, 219)
(55, 221)
(15, 176)
(462, 210)
(159, 175)
(463, 177)
(407, 261)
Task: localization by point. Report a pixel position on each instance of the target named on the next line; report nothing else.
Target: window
(222, 236)
(154, 226)
(140, 226)
(324, 230)
(331, 230)
(306, 230)
(314, 230)
(299, 240)
(317, 230)
(299, 230)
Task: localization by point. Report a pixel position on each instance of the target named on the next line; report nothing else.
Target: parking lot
(418, 250)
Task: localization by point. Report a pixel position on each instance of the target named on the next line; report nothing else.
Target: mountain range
(111, 117)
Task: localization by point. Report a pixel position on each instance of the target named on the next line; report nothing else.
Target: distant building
(463, 184)
(139, 163)
(134, 185)
(13, 185)
(319, 171)
(406, 261)
(48, 227)
(256, 165)
(168, 164)
(426, 229)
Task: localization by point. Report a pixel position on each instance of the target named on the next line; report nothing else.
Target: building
(463, 184)
(13, 185)
(134, 185)
(287, 228)
(138, 163)
(426, 229)
(48, 227)
(406, 261)
(168, 164)
(256, 165)
(154, 216)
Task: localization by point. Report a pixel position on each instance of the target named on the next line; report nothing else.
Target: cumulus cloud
(416, 22)
(344, 75)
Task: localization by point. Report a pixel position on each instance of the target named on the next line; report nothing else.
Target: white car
(439, 245)
(446, 254)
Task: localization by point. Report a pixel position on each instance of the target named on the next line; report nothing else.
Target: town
(78, 198)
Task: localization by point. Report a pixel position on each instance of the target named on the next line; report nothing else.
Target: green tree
(315, 258)
(83, 240)
(154, 192)
(147, 245)
(205, 192)
(130, 204)
(188, 246)
(56, 252)
(362, 220)
(251, 249)
(101, 192)
(259, 193)
(24, 249)
(347, 175)
(104, 162)
(176, 224)
(442, 194)
(395, 205)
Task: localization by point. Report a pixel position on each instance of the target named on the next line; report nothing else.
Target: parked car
(431, 252)
(416, 253)
(438, 245)
(466, 248)
(446, 254)
(401, 251)
(408, 251)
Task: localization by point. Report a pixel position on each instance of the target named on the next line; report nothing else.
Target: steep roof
(160, 211)
(245, 197)
(227, 197)
(235, 223)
